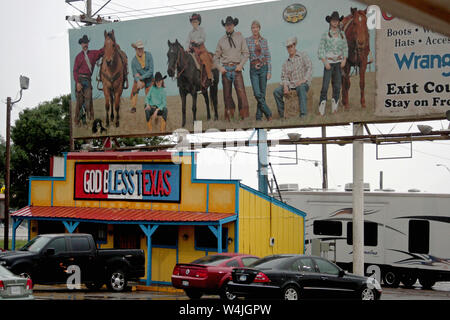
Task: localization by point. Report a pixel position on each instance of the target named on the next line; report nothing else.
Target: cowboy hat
(230, 20)
(196, 16)
(84, 39)
(334, 16)
(159, 77)
(290, 41)
(138, 44)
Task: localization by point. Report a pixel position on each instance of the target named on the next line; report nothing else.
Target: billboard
(271, 65)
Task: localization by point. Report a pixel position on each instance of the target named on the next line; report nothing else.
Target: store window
(97, 230)
(370, 234)
(419, 236)
(205, 240)
(165, 236)
(327, 228)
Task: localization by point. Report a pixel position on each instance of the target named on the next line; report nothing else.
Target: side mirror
(341, 273)
(50, 252)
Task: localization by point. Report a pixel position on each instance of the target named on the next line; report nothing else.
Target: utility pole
(87, 17)
(7, 174)
(324, 161)
(262, 161)
(24, 83)
(358, 201)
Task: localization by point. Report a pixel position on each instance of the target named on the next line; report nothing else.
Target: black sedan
(294, 277)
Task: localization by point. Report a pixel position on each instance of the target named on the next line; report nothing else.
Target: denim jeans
(258, 78)
(302, 93)
(334, 74)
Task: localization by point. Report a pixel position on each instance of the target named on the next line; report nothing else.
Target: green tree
(37, 135)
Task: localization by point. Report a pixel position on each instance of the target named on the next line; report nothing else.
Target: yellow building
(154, 201)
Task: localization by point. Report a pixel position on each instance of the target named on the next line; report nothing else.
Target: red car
(209, 274)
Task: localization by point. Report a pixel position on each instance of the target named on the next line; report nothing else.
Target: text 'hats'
(230, 20)
(334, 16)
(84, 39)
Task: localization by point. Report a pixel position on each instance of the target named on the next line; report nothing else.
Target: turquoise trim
(41, 178)
(148, 230)
(16, 224)
(70, 225)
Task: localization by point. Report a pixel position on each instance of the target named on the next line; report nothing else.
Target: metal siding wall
(163, 261)
(41, 193)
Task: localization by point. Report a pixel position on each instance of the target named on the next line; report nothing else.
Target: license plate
(243, 278)
(185, 283)
(16, 291)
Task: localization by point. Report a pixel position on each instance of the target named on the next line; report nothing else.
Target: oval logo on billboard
(294, 13)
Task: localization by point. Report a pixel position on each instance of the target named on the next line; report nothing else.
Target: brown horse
(113, 76)
(357, 34)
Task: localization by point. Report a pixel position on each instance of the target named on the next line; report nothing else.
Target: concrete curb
(158, 288)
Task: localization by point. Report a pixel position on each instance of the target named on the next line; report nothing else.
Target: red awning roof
(114, 214)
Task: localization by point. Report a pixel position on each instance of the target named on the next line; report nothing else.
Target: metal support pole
(358, 202)
(7, 173)
(324, 161)
(262, 161)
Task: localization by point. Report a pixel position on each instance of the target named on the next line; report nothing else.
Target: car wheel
(367, 294)
(225, 294)
(409, 280)
(427, 282)
(117, 281)
(291, 292)
(391, 279)
(193, 294)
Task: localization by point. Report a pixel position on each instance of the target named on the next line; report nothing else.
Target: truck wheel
(409, 280)
(117, 280)
(193, 294)
(391, 279)
(427, 282)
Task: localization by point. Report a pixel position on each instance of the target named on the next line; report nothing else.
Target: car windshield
(269, 262)
(36, 244)
(5, 272)
(211, 260)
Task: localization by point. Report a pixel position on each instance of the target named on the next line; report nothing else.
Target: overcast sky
(35, 44)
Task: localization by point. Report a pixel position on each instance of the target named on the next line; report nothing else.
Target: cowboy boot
(334, 105)
(322, 107)
(149, 125)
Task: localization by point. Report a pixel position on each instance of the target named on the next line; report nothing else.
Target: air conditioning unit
(349, 186)
(288, 187)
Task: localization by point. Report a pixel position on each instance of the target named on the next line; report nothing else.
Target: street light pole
(24, 82)
(7, 174)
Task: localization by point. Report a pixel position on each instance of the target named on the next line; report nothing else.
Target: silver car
(14, 287)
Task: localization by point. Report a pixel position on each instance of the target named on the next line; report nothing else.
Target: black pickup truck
(48, 258)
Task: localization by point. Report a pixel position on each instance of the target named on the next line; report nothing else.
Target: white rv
(406, 235)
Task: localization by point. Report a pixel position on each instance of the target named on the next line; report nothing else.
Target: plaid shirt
(264, 57)
(296, 69)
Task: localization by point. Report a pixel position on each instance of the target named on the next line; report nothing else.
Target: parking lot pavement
(440, 292)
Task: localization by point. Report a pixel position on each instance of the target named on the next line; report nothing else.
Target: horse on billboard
(189, 80)
(357, 34)
(113, 75)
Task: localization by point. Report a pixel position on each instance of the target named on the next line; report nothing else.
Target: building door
(127, 236)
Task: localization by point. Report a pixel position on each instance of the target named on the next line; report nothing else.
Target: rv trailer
(406, 235)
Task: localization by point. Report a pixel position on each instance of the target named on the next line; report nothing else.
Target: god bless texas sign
(127, 181)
